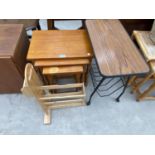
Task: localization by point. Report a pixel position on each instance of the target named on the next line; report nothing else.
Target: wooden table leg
(47, 116)
(50, 24)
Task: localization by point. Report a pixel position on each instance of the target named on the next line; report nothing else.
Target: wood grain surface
(62, 70)
(115, 52)
(54, 44)
(145, 43)
(63, 62)
(9, 36)
(11, 80)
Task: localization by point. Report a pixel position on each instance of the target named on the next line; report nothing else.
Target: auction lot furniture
(51, 24)
(14, 45)
(59, 48)
(33, 86)
(129, 24)
(115, 53)
(152, 32)
(29, 24)
(136, 24)
(147, 47)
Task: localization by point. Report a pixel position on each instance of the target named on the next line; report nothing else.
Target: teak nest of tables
(57, 52)
(56, 48)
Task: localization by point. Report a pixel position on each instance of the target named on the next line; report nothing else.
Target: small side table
(62, 48)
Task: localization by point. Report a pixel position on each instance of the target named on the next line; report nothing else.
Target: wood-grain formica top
(59, 44)
(115, 52)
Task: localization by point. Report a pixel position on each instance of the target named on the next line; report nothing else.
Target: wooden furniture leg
(50, 24)
(78, 78)
(49, 77)
(139, 84)
(47, 116)
(132, 79)
(146, 92)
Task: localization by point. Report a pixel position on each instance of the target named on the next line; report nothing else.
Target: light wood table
(61, 47)
(59, 44)
(145, 44)
(147, 47)
(115, 53)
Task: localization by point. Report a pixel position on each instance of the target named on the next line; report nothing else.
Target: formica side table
(115, 53)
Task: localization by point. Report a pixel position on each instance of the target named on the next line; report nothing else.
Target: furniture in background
(115, 53)
(145, 44)
(51, 24)
(14, 45)
(29, 24)
(60, 48)
(136, 24)
(152, 32)
(129, 24)
(33, 86)
(147, 48)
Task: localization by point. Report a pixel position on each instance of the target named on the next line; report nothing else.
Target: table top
(115, 52)
(59, 44)
(145, 43)
(9, 37)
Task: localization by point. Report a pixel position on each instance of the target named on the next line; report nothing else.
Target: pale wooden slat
(61, 97)
(74, 85)
(65, 104)
(62, 101)
(64, 94)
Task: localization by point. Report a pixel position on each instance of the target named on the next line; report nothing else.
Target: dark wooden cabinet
(14, 45)
(136, 24)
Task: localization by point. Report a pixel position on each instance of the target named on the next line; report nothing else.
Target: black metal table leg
(125, 86)
(88, 103)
